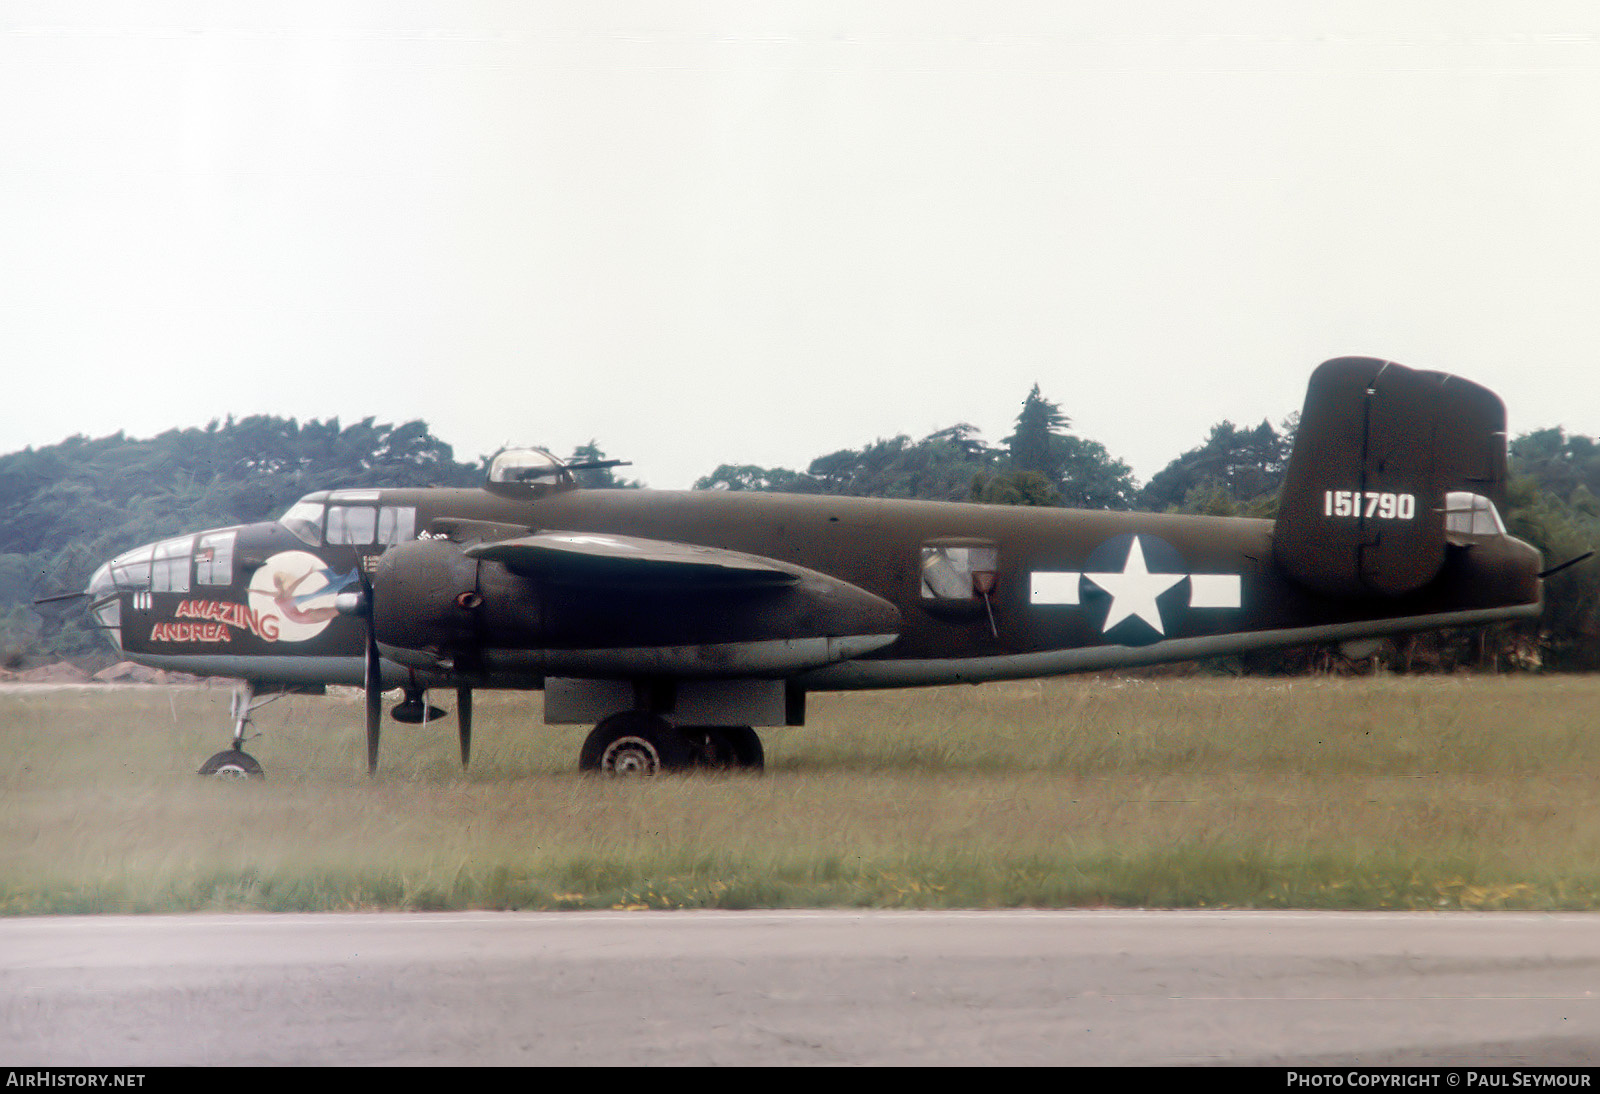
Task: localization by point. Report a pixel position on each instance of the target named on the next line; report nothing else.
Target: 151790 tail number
(1369, 504)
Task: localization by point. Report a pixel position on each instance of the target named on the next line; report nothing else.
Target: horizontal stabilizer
(603, 556)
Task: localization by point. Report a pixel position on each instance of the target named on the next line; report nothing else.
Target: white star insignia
(1134, 590)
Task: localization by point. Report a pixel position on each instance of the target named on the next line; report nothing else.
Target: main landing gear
(636, 742)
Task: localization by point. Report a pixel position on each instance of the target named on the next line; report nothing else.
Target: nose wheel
(232, 764)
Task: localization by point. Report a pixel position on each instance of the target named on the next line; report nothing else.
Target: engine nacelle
(436, 607)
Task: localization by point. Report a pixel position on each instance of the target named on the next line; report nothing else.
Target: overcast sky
(759, 232)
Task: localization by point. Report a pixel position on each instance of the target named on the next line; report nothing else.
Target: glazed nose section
(143, 568)
(104, 592)
(101, 584)
(169, 566)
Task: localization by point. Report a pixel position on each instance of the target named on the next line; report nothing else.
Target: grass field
(1451, 792)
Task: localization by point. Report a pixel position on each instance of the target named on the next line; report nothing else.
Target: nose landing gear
(234, 762)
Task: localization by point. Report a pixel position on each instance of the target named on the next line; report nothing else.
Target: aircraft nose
(136, 571)
(105, 606)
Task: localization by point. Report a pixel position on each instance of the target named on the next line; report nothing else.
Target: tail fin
(1378, 448)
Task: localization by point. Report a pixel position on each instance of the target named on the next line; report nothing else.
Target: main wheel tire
(742, 746)
(635, 743)
(724, 748)
(232, 764)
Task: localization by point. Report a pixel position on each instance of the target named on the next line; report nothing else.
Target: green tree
(1015, 488)
(1551, 503)
(1034, 444)
(956, 464)
(1236, 471)
(1082, 473)
(748, 476)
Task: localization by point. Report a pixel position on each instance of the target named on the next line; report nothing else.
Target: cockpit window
(169, 571)
(527, 465)
(396, 524)
(304, 519)
(352, 524)
(213, 559)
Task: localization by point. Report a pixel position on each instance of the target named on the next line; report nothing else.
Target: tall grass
(1408, 793)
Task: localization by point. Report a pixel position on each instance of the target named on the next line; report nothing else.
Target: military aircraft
(674, 622)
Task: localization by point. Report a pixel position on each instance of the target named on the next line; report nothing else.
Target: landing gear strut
(234, 762)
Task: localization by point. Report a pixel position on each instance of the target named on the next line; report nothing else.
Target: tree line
(66, 508)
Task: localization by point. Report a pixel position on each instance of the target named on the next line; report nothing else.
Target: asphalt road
(1088, 987)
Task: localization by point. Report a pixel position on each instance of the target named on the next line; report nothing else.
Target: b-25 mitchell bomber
(676, 622)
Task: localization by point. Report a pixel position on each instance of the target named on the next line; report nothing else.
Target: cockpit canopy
(527, 466)
(1470, 518)
(349, 518)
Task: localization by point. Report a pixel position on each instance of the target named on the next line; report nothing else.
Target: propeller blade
(372, 678)
(464, 722)
(374, 682)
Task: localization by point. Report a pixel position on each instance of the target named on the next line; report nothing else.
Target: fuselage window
(356, 525)
(1470, 518)
(396, 524)
(169, 569)
(213, 559)
(958, 573)
(304, 519)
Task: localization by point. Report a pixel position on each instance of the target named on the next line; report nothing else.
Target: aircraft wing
(604, 556)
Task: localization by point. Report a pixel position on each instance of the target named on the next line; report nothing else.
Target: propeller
(428, 623)
(374, 686)
(372, 678)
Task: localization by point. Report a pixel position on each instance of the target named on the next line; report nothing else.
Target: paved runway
(1082, 987)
